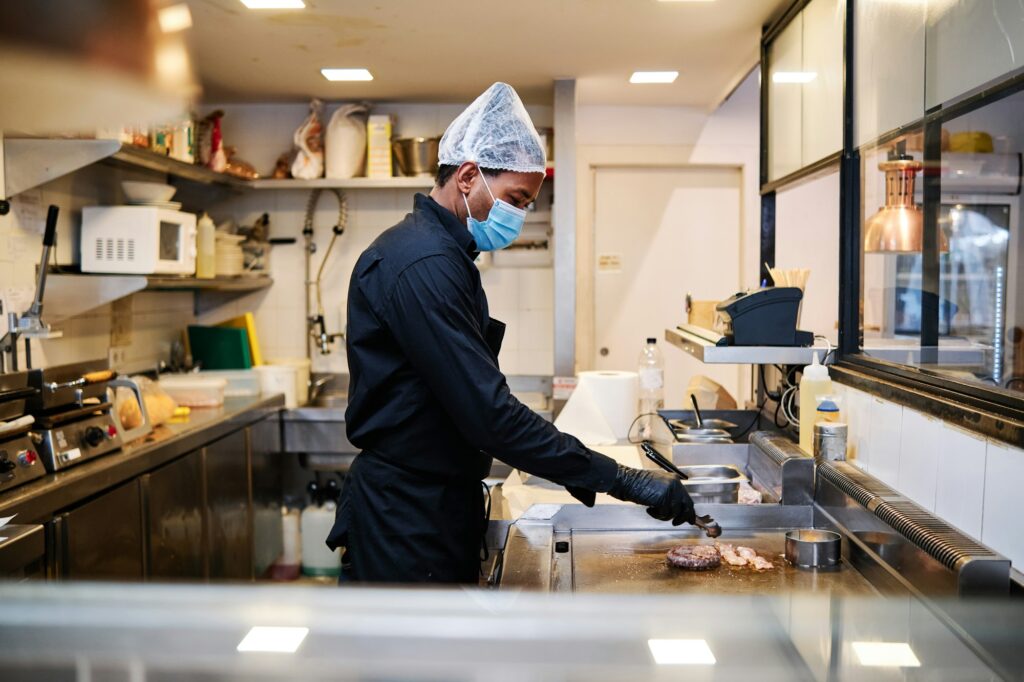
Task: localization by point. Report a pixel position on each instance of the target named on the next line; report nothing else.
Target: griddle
(634, 562)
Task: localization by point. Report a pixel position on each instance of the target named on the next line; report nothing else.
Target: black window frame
(973, 406)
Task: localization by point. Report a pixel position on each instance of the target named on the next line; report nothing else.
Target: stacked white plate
(228, 254)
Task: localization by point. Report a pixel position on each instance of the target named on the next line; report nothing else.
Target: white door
(660, 233)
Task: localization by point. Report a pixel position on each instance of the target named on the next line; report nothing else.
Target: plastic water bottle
(652, 384)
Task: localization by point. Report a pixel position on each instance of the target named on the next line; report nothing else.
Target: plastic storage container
(242, 383)
(192, 390)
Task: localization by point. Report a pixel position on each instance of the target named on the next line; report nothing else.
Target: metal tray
(713, 483)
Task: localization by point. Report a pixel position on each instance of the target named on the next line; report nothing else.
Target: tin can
(830, 441)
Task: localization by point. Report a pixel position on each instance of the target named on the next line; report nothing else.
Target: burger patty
(694, 557)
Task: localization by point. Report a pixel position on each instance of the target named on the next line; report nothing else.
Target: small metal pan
(813, 548)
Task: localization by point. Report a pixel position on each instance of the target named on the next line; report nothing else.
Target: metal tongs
(705, 523)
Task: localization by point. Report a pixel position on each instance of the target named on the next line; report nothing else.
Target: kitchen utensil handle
(16, 394)
(144, 428)
(662, 461)
(50, 235)
(696, 411)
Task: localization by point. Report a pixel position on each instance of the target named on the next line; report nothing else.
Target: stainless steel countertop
(34, 502)
(183, 632)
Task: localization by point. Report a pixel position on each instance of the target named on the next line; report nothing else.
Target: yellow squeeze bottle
(814, 383)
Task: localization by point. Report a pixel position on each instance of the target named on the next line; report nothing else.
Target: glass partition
(952, 305)
(805, 89)
(889, 65)
(970, 43)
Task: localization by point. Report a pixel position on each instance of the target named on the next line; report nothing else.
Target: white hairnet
(495, 132)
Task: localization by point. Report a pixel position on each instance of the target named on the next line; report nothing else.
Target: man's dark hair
(446, 171)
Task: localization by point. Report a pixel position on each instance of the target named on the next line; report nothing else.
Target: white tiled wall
(523, 298)
(971, 482)
(155, 318)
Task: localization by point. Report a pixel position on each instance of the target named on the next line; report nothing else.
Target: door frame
(591, 159)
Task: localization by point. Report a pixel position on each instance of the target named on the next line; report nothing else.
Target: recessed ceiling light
(654, 77)
(681, 652)
(885, 655)
(793, 76)
(278, 640)
(686, 0)
(174, 18)
(274, 4)
(347, 74)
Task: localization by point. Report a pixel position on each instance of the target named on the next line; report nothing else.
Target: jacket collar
(458, 230)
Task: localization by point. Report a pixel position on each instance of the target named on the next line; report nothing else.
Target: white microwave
(139, 240)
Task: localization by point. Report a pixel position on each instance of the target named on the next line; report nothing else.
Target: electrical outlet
(117, 356)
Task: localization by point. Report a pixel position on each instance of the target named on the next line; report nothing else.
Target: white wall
(971, 482)
(622, 135)
(729, 135)
(807, 236)
(521, 297)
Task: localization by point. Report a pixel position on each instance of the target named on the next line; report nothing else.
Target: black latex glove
(663, 494)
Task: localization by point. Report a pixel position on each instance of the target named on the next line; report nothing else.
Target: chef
(428, 404)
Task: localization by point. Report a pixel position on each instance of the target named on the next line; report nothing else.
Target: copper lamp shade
(898, 227)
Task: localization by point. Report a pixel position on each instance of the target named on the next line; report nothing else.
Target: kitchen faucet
(316, 327)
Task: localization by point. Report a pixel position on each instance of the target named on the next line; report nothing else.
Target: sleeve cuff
(604, 470)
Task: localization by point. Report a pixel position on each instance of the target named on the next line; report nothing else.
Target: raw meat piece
(730, 556)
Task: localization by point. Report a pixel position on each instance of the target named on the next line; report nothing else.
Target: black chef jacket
(429, 408)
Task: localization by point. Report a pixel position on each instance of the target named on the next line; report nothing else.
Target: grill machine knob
(93, 436)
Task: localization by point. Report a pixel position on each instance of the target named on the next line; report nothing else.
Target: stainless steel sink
(329, 390)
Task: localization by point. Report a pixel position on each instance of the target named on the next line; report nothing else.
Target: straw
(792, 277)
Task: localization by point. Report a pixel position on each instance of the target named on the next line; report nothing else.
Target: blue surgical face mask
(503, 225)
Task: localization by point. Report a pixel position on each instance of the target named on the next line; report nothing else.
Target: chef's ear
(465, 175)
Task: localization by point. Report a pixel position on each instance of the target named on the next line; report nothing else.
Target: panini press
(19, 460)
(74, 419)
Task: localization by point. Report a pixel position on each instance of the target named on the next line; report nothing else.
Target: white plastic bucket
(302, 369)
(279, 379)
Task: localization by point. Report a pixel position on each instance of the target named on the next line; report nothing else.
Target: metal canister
(830, 441)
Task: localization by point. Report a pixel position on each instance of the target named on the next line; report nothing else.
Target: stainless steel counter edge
(37, 501)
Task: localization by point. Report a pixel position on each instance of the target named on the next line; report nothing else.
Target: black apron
(403, 525)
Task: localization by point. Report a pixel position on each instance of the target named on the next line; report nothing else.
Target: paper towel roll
(616, 395)
(602, 408)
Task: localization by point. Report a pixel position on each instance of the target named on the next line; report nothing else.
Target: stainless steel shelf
(170, 282)
(143, 158)
(30, 162)
(704, 349)
(345, 183)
